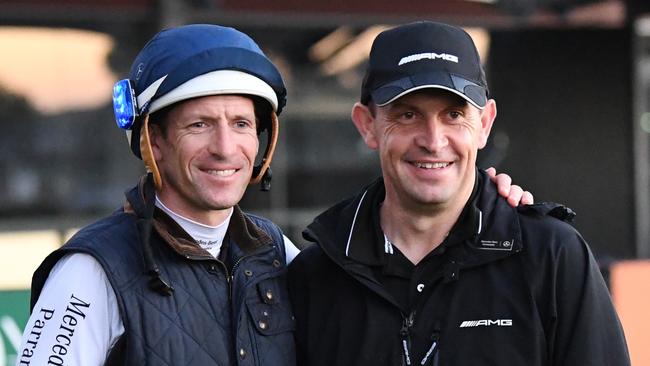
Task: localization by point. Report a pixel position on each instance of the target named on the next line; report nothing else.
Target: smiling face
(205, 155)
(427, 143)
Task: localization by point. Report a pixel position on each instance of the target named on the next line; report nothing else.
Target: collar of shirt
(241, 229)
(369, 245)
(208, 237)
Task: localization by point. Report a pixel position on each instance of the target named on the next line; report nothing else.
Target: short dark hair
(263, 112)
(159, 118)
(372, 107)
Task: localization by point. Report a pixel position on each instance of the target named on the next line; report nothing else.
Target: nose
(222, 143)
(432, 136)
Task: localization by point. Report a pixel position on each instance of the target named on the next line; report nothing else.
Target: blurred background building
(571, 79)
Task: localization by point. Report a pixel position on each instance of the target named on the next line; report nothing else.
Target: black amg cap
(424, 55)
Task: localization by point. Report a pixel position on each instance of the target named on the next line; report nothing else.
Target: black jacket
(524, 290)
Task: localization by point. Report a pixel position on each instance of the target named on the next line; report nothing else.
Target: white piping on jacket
(347, 247)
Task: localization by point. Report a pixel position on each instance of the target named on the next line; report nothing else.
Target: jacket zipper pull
(432, 349)
(230, 277)
(229, 280)
(405, 332)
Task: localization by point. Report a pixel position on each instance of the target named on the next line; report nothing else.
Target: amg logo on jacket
(486, 323)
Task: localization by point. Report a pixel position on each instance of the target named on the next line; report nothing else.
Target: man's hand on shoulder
(512, 192)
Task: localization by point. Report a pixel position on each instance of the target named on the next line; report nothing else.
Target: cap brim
(216, 83)
(468, 90)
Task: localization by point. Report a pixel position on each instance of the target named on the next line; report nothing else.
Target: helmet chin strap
(261, 172)
(147, 153)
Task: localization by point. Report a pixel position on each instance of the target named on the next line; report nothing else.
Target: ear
(364, 121)
(156, 138)
(488, 114)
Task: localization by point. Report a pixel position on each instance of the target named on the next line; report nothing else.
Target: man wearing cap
(179, 275)
(427, 265)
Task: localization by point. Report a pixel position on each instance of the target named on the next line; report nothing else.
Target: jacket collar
(241, 229)
(488, 227)
(500, 234)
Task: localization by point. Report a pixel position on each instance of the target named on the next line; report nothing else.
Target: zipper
(231, 276)
(405, 334)
(239, 260)
(223, 267)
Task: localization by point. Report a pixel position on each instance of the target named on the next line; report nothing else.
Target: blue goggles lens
(124, 104)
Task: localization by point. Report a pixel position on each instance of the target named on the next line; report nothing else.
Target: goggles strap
(145, 223)
(147, 153)
(260, 170)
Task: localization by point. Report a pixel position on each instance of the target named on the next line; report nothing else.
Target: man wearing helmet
(180, 275)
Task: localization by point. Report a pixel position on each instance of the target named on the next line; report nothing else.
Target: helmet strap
(147, 153)
(145, 223)
(259, 172)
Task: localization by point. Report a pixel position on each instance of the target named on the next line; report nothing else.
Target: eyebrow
(209, 117)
